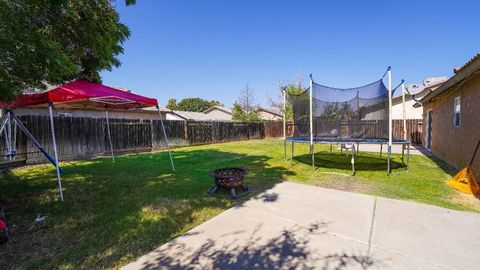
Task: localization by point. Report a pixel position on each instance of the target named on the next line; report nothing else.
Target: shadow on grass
(290, 248)
(335, 160)
(116, 211)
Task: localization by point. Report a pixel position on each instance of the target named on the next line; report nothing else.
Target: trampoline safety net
(342, 114)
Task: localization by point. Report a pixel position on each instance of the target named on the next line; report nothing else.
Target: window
(456, 112)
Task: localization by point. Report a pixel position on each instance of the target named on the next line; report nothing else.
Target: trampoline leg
(330, 148)
(381, 149)
(284, 150)
(408, 158)
(313, 155)
(291, 152)
(353, 159)
(388, 159)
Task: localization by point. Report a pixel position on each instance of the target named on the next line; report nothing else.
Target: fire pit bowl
(231, 179)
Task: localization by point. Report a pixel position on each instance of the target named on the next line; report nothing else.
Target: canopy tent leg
(52, 127)
(109, 136)
(166, 139)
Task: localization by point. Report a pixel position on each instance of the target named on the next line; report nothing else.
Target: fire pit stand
(231, 179)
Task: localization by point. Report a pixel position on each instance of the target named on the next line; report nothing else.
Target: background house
(192, 116)
(418, 90)
(223, 113)
(451, 117)
(269, 115)
(219, 113)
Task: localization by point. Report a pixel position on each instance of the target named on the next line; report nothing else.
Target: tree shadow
(117, 211)
(335, 160)
(291, 248)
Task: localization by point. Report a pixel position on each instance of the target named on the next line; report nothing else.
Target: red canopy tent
(85, 95)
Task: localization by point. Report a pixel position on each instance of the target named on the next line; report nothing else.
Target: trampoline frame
(353, 141)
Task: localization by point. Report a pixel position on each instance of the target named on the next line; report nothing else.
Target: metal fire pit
(231, 179)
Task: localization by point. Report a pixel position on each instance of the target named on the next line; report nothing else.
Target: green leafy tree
(292, 90)
(172, 104)
(195, 104)
(239, 114)
(50, 42)
(245, 108)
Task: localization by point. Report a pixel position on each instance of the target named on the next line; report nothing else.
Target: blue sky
(212, 49)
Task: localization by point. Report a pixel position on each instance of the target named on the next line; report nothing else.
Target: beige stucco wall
(268, 116)
(411, 112)
(219, 115)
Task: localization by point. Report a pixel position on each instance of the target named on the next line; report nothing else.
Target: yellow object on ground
(465, 181)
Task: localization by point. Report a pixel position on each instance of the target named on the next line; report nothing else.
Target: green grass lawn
(116, 212)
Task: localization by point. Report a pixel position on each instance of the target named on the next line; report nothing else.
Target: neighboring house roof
(471, 68)
(220, 108)
(271, 111)
(153, 109)
(193, 116)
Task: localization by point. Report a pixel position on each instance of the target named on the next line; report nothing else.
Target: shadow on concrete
(289, 250)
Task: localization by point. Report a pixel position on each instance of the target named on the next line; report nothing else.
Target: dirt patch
(466, 200)
(343, 182)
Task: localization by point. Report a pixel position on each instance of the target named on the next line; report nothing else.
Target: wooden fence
(414, 129)
(79, 137)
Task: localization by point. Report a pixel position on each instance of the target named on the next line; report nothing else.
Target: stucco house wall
(411, 112)
(268, 116)
(219, 114)
(455, 145)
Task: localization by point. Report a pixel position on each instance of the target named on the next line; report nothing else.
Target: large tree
(246, 107)
(292, 89)
(192, 104)
(46, 42)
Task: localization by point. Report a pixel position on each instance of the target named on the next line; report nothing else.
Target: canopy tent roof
(85, 94)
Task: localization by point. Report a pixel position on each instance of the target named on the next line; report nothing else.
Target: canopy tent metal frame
(83, 92)
(355, 143)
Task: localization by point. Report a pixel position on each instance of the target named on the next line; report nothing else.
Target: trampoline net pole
(404, 113)
(284, 125)
(311, 119)
(389, 118)
(54, 141)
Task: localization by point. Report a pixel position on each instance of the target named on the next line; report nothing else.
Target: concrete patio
(295, 226)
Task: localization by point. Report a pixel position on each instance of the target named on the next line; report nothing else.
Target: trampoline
(346, 116)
